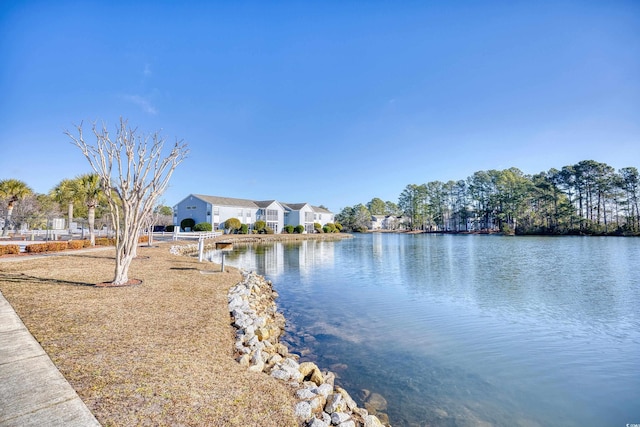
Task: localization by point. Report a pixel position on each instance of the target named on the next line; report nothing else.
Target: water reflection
(466, 330)
(273, 259)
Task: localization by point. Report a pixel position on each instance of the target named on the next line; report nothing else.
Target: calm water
(457, 330)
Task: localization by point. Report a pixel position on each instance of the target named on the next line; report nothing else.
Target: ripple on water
(470, 330)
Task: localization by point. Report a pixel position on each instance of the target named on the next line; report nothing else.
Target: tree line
(78, 200)
(588, 197)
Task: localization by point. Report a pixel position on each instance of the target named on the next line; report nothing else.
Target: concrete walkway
(32, 390)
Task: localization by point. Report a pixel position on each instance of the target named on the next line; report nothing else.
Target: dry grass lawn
(160, 353)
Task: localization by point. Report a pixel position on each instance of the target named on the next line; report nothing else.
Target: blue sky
(329, 103)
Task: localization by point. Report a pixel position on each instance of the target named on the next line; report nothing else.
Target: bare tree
(151, 220)
(134, 171)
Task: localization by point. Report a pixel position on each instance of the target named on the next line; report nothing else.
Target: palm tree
(90, 192)
(66, 192)
(12, 190)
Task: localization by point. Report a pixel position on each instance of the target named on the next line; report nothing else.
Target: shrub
(75, 244)
(143, 239)
(299, 229)
(202, 226)
(268, 230)
(288, 229)
(317, 227)
(244, 229)
(187, 223)
(105, 241)
(330, 228)
(9, 249)
(232, 224)
(259, 225)
(338, 226)
(169, 228)
(46, 247)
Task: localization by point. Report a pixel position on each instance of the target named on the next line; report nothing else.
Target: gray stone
(351, 404)
(326, 417)
(338, 418)
(257, 364)
(317, 423)
(250, 331)
(325, 389)
(303, 410)
(260, 321)
(253, 341)
(234, 302)
(335, 403)
(305, 393)
(281, 374)
(290, 362)
(330, 378)
(375, 402)
(276, 358)
(244, 360)
(317, 403)
(372, 421)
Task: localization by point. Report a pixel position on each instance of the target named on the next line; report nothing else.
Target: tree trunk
(126, 250)
(70, 217)
(92, 219)
(7, 219)
(121, 275)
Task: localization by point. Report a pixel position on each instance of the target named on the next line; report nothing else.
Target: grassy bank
(155, 354)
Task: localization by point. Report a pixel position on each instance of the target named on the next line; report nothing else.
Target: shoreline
(160, 353)
(259, 325)
(98, 347)
(186, 247)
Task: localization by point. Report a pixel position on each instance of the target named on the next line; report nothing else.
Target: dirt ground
(156, 354)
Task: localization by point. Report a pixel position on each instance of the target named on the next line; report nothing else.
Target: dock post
(200, 249)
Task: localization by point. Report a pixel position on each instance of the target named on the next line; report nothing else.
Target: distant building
(388, 222)
(377, 222)
(216, 210)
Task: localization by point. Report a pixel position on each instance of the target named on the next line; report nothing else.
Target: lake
(467, 330)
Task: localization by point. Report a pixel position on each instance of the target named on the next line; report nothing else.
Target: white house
(377, 222)
(387, 222)
(216, 210)
(273, 213)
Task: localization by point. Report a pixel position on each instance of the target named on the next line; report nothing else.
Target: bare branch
(134, 172)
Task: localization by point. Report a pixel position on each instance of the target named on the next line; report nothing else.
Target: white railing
(177, 235)
(58, 234)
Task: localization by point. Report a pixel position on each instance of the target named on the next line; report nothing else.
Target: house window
(272, 214)
(308, 216)
(216, 210)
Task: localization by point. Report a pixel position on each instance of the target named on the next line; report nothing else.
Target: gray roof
(294, 206)
(227, 201)
(264, 203)
(321, 210)
(246, 203)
